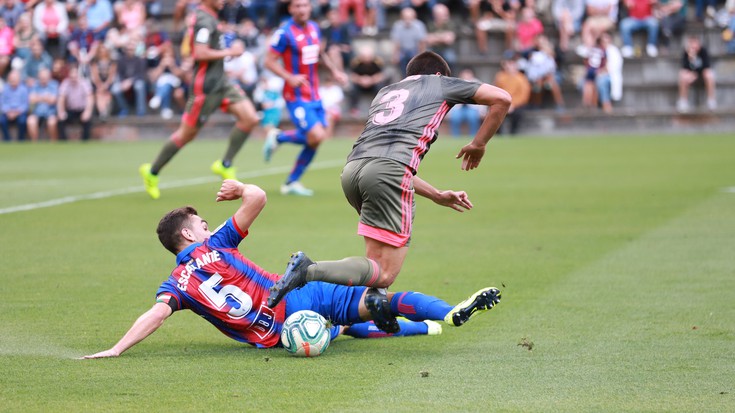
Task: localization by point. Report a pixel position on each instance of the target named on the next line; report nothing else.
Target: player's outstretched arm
(144, 326)
(498, 101)
(457, 200)
(253, 201)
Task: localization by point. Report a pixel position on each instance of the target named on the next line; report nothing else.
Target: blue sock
(369, 330)
(292, 136)
(418, 307)
(302, 162)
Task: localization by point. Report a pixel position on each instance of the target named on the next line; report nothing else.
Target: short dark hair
(169, 227)
(427, 63)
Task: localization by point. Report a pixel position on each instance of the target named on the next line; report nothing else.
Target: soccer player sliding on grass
(213, 279)
(380, 179)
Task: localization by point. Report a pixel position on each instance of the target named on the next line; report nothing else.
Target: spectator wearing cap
(510, 79)
(14, 104)
(43, 98)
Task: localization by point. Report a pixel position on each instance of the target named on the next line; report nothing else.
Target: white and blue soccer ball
(305, 334)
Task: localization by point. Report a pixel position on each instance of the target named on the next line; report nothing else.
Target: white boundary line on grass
(730, 189)
(168, 185)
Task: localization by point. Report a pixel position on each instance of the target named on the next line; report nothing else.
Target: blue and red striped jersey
(299, 48)
(216, 281)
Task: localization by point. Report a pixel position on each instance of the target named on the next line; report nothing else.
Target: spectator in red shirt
(640, 17)
(527, 28)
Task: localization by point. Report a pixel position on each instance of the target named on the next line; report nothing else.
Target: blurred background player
(210, 90)
(381, 178)
(298, 43)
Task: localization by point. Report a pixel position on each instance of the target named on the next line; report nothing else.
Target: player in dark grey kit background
(210, 90)
(380, 179)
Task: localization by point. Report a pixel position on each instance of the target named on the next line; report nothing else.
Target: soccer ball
(305, 334)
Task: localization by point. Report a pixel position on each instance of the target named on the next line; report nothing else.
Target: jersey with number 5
(405, 116)
(217, 282)
(299, 48)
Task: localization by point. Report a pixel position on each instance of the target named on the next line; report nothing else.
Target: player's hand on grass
(457, 200)
(101, 354)
(471, 155)
(230, 190)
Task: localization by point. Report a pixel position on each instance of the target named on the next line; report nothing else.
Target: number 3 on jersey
(393, 101)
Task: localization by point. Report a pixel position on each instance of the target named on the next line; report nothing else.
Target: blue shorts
(305, 115)
(337, 303)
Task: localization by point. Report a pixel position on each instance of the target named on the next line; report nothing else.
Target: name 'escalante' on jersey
(404, 117)
(215, 281)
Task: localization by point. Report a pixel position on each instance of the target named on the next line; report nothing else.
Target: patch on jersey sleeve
(276, 38)
(202, 35)
(168, 299)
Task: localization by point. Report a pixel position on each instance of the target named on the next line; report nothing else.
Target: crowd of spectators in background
(84, 60)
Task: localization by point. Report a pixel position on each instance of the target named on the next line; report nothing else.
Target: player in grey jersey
(380, 179)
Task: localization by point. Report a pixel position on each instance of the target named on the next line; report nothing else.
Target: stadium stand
(650, 86)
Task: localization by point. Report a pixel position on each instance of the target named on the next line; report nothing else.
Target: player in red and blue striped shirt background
(214, 280)
(298, 43)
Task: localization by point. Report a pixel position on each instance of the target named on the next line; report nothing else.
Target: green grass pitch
(615, 254)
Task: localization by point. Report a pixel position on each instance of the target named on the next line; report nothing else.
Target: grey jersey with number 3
(404, 117)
